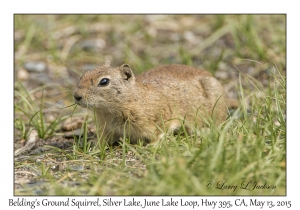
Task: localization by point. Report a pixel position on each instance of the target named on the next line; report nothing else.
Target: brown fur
(155, 102)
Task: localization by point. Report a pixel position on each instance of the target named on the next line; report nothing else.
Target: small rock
(31, 141)
(77, 168)
(17, 186)
(232, 94)
(41, 78)
(151, 31)
(190, 37)
(175, 37)
(97, 44)
(51, 118)
(72, 123)
(58, 167)
(49, 163)
(250, 71)
(58, 71)
(92, 128)
(35, 66)
(270, 71)
(23, 74)
(38, 192)
(277, 123)
(71, 134)
(34, 183)
(22, 180)
(38, 150)
(222, 75)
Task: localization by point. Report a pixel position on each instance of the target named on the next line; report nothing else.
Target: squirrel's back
(165, 74)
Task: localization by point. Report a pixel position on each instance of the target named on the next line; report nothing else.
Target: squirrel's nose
(77, 97)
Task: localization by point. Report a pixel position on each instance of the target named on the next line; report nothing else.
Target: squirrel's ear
(127, 73)
(107, 63)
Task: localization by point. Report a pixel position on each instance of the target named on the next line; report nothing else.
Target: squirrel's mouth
(80, 103)
(89, 102)
(79, 99)
(84, 104)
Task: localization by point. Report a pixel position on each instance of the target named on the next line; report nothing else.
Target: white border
(8, 8)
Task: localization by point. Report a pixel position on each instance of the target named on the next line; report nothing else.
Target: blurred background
(49, 48)
(52, 51)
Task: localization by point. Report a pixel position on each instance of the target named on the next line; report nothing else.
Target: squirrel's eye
(103, 82)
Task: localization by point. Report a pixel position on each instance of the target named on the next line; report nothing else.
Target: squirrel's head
(104, 86)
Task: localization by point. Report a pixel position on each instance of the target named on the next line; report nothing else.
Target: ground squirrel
(158, 101)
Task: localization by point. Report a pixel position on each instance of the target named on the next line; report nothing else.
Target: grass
(248, 148)
(34, 114)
